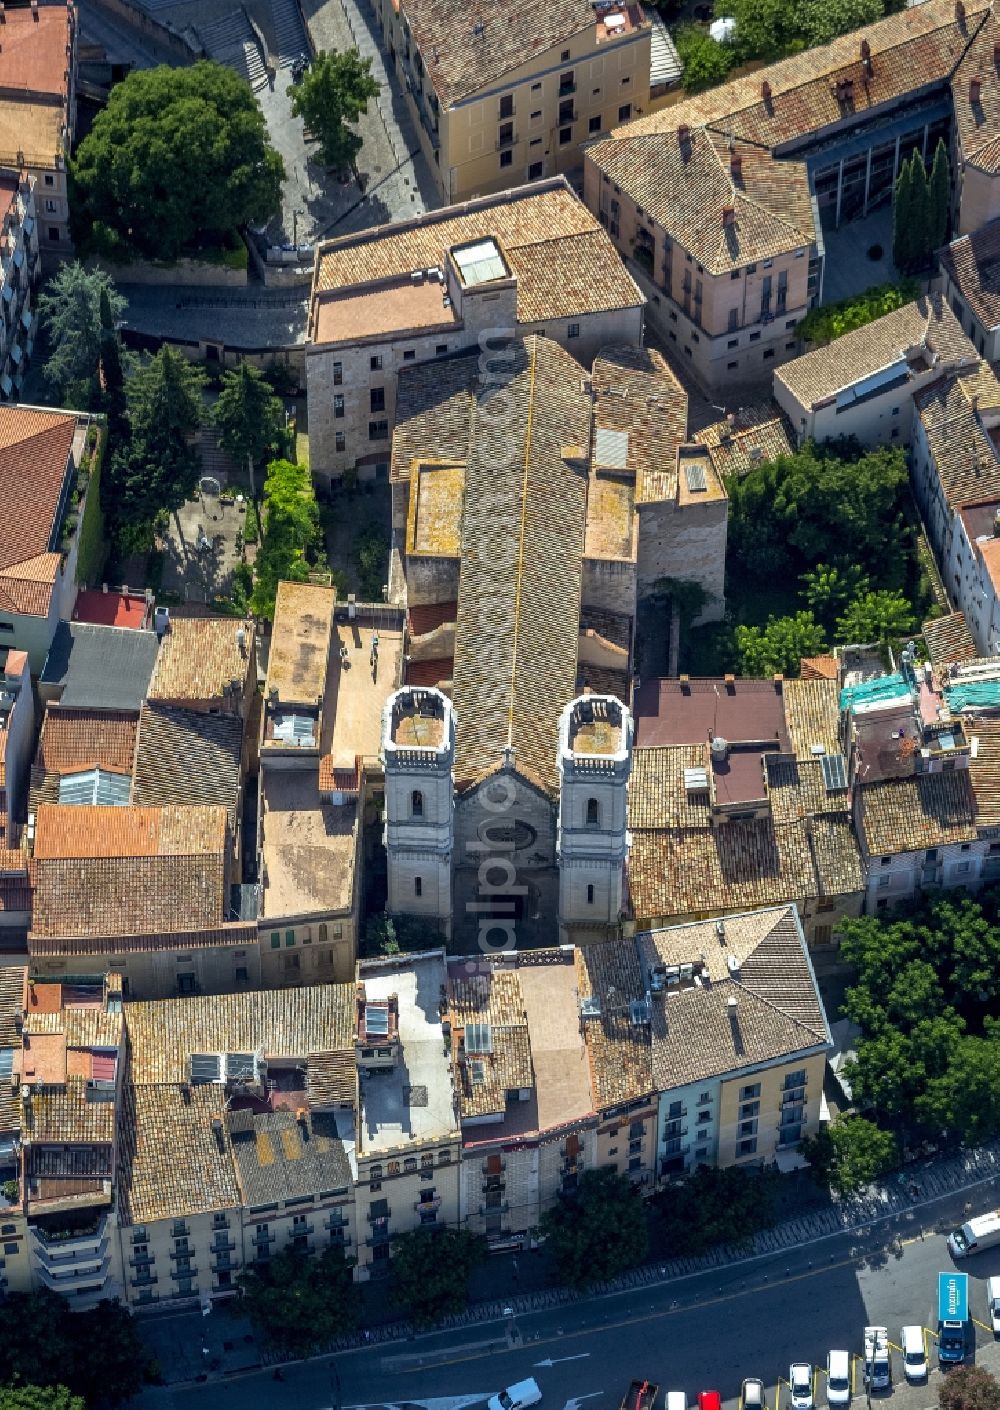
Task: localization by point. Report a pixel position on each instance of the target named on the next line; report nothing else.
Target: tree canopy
(178, 160)
(299, 1302)
(290, 532)
(334, 92)
(715, 1206)
(96, 1356)
(927, 1001)
(778, 648)
(876, 616)
(969, 1388)
(921, 209)
(430, 1271)
(70, 310)
(597, 1232)
(248, 414)
(850, 1152)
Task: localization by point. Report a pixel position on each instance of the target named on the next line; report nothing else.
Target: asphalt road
(707, 1331)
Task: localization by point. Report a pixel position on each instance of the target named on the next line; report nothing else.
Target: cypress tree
(940, 196)
(921, 217)
(902, 219)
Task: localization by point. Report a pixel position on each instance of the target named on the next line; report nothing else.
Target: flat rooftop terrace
(355, 694)
(415, 1100)
(309, 846)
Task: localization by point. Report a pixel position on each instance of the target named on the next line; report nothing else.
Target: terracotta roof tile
(636, 392)
(755, 435)
(949, 639)
(812, 715)
(620, 1050)
(83, 739)
(984, 771)
(35, 447)
(973, 262)
(977, 120)
(80, 832)
(186, 757)
(33, 58)
(170, 1163)
(966, 460)
(199, 657)
(924, 810)
(105, 896)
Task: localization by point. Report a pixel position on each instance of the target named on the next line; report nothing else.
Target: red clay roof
(110, 609)
(33, 56)
(441, 668)
(676, 712)
(34, 449)
(424, 618)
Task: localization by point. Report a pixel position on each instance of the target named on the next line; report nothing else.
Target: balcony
(382, 1218)
(378, 1239)
(142, 1260)
(264, 1239)
(505, 140)
(145, 1280)
(185, 1252)
(225, 1245)
(300, 1231)
(222, 1260)
(566, 89)
(335, 1221)
(426, 1206)
(183, 1273)
(503, 1208)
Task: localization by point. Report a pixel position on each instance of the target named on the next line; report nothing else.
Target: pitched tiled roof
(636, 392)
(820, 668)
(105, 896)
(82, 739)
(104, 667)
(171, 1163)
(984, 771)
(187, 757)
(739, 866)
(685, 182)
(657, 794)
(279, 1157)
(33, 57)
(967, 462)
(755, 435)
(973, 262)
(836, 855)
(34, 452)
(280, 1022)
(797, 789)
(924, 810)
(490, 997)
(564, 261)
(522, 542)
(812, 715)
(71, 832)
(199, 657)
(949, 639)
(224, 934)
(977, 119)
(332, 1079)
(927, 323)
(63, 1116)
(434, 407)
(619, 1050)
(466, 48)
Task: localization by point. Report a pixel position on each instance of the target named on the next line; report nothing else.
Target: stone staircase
(289, 33)
(231, 41)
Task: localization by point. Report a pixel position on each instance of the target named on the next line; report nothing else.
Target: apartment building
(864, 383)
(718, 203)
(970, 275)
(509, 95)
(38, 112)
(40, 457)
(466, 277)
(739, 800)
(19, 271)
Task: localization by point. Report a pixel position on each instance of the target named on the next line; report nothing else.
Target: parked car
(752, 1394)
(993, 1303)
(709, 1400)
(838, 1378)
(517, 1397)
(914, 1345)
(800, 1379)
(677, 1400)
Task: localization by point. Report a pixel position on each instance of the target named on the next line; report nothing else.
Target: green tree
(969, 1388)
(388, 935)
(299, 1302)
(249, 417)
(706, 63)
(904, 213)
(713, 1206)
(70, 310)
(333, 94)
(597, 1232)
(763, 28)
(921, 214)
(290, 531)
(40, 1398)
(113, 364)
(822, 20)
(779, 647)
(940, 197)
(822, 325)
(850, 1152)
(430, 1271)
(829, 587)
(876, 616)
(157, 469)
(177, 160)
(98, 1355)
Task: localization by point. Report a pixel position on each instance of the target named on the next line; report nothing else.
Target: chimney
(736, 166)
(866, 57)
(728, 216)
(34, 10)
(683, 133)
(959, 12)
(975, 88)
(765, 91)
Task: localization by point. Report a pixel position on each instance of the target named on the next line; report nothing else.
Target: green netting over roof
(982, 694)
(882, 688)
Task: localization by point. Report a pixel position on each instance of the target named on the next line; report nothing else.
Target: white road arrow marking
(575, 1404)
(555, 1361)
(444, 1402)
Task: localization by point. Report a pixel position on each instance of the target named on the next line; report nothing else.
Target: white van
(993, 1303)
(976, 1235)
(517, 1397)
(677, 1400)
(838, 1378)
(914, 1354)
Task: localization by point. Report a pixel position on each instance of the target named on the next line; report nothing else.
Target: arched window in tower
(590, 895)
(593, 813)
(417, 803)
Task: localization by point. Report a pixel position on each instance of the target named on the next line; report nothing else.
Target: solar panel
(6, 1061)
(241, 1067)
(478, 1038)
(206, 1067)
(377, 1020)
(834, 768)
(478, 1070)
(611, 448)
(694, 473)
